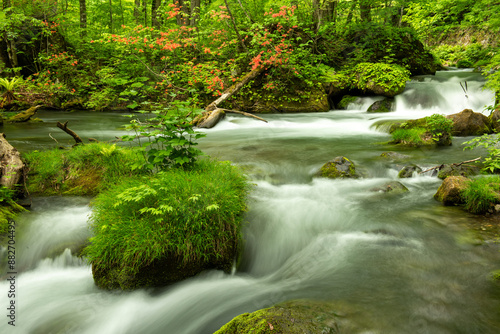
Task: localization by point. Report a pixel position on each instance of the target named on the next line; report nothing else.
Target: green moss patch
(189, 219)
(301, 316)
(82, 170)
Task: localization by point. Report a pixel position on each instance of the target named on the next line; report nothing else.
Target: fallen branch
(454, 164)
(245, 114)
(65, 128)
(213, 114)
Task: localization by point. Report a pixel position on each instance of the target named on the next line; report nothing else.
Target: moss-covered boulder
(494, 119)
(346, 101)
(294, 317)
(457, 170)
(157, 230)
(385, 105)
(450, 191)
(470, 123)
(394, 156)
(380, 79)
(339, 167)
(408, 171)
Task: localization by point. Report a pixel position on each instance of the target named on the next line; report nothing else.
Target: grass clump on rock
(159, 229)
(82, 170)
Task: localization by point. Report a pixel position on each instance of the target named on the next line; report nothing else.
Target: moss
(293, 317)
(340, 167)
(8, 211)
(346, 100)
(82, 170)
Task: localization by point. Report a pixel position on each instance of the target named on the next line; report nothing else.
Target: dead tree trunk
(213, 114)
(11, 165)
(70, 132)
(24, 116)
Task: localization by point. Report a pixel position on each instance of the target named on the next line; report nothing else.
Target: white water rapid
(392, 264)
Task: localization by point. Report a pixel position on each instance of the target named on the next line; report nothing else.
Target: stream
(391, 264)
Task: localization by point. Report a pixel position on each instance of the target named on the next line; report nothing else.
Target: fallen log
(65, 128)
(24, 116)
(213, 114)
(11, 165)
(245, 114)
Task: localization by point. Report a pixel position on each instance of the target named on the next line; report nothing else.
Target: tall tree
(323, 11)
(155, 17)
(83, 18)
(137, 11)
(111, 16)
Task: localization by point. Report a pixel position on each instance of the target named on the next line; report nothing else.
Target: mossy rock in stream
(160, 229)
(294, 317)
(339, 167)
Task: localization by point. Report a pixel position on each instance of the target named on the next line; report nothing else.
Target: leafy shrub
(464, 63)
(439, 126)
(171, 138)
(391, 78)
(192, 214)
(481, 194)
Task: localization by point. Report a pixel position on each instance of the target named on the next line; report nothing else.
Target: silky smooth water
(391, 263)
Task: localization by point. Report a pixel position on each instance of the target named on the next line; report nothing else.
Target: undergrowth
(83, 170)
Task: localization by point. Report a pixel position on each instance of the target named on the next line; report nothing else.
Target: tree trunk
(110, 16)
(137, 11)
(155, 17)
(83, 18)
(24, 116)
(194, 12)
(236, 28)
(145, 9)
(11, 164)
(365, 10)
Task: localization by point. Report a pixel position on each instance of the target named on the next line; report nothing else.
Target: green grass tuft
(83, 170)
(193, 214)
(482, 193)
(410, 137)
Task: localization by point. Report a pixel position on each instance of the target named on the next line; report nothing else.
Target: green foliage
(192, 214)
(481, 194)
(9, 86)
(392, 78)
(439, 126)
(83, 170)
(171, 139)
(491, 163)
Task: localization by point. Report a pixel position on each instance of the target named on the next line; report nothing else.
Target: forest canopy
(99, 54)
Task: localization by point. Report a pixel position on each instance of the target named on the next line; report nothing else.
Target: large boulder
(339, 167)
(295, 317)
(495, 120)
(469, 123)
(450, 191)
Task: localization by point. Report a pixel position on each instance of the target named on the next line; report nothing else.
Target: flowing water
(391, 264)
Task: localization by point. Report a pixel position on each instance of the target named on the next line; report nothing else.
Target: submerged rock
(385, 105)
(393, 187)
(340, 167)
(450, 191)
(394, 156)
(469, 123)
(294, 317)
(408, 171)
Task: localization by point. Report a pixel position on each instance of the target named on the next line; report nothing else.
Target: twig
(245, 114)
(50, 135)
(65, 128)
